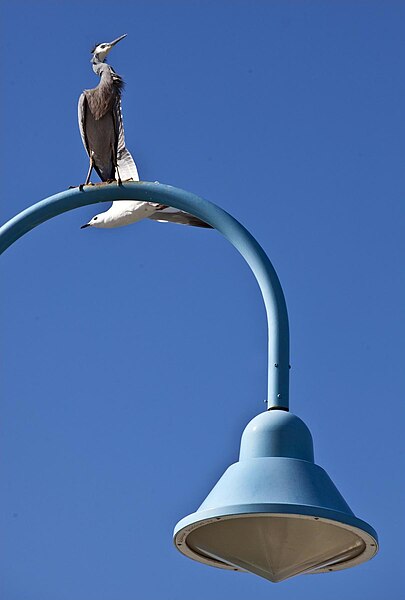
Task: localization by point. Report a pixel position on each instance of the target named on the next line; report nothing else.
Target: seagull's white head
(100, 51)
(101, 220)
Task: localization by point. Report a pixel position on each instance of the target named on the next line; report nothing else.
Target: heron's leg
(118, 176)
(89, 173)
(90, 168)
(116, 166)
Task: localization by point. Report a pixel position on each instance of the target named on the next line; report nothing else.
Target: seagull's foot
(119, 182)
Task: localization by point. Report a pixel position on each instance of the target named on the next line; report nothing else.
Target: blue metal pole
(231, 229)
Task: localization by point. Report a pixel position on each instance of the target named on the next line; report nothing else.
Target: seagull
(102, 131)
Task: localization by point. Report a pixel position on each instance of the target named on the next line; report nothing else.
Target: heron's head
(100, 51)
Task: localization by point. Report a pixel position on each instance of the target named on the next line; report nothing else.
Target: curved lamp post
(275, 512)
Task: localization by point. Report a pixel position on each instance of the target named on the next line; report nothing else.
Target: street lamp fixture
(274, 513)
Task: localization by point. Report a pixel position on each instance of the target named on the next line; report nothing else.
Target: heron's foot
(82, 185)
(74, 187)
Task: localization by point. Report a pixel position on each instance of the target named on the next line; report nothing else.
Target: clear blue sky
(132, 359)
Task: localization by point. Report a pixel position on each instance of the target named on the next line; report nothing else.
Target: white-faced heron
(102, 131)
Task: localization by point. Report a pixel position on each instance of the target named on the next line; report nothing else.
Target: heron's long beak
(85, 225)
(118, 40)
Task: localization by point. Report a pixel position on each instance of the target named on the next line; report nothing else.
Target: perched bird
(102, 131)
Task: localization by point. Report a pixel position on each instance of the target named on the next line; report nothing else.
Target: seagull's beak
(85, 225)
(118, 40)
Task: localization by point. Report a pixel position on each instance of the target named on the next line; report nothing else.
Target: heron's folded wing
(81, 114)
(119, 124)
(126, 164)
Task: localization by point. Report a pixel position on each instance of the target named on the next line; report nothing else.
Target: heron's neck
(100, 68)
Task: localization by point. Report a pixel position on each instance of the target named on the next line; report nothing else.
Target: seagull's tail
(168, 214)
(126, 166)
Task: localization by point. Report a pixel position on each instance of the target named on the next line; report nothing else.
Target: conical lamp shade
(275, 513)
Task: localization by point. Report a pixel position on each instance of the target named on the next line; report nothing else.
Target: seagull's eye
(95, 218)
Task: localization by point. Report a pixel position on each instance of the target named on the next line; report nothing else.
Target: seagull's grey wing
(126, 164)
(167, 214)
(81, 114)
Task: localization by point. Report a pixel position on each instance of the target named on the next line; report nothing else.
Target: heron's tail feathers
(126, 165)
